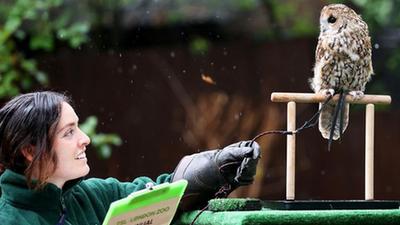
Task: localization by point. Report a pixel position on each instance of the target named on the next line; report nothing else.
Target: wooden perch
(292, 98)
(315, 98)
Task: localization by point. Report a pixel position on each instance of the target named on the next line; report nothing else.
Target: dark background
(173, 78)
(134, 93)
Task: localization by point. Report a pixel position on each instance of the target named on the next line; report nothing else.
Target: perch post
(291, 151)
(369, 151)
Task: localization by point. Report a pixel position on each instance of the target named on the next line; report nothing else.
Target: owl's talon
(356, 94)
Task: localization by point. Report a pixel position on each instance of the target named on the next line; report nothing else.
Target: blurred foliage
(102, 142)
(287, 20)
(26, 23)
(28, 26)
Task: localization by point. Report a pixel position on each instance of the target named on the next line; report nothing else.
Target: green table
(266, 216)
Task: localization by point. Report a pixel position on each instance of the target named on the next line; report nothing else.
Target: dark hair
(29, 121)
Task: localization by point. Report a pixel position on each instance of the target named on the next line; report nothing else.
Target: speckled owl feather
(342, 61)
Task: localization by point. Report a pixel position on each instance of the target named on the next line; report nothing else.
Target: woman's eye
(69, 132)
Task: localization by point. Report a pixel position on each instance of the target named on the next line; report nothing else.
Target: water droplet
(211, 63)
(234, 67)
(183, 71)
(134, 67)
(172, 54)
(131, 81)
(376, 46)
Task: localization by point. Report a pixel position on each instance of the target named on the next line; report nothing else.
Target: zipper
(61, 221)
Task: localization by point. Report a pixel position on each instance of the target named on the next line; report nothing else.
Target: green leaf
(42, 41)
(89, 126)
(105, 151)
(41, 77)
(29, 65)
(10, 27)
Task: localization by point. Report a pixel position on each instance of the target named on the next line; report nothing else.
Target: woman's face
(69, 145)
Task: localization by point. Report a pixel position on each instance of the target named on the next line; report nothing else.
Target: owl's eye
(331, 19)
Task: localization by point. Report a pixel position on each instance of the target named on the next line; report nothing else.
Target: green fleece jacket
(85, 201)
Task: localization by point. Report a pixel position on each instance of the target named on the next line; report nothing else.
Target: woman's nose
(84, 139)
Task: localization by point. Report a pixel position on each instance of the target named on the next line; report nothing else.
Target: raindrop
(131, 81)
(134, 67)
(234, 67)
(323, 172)
(183, 71)
(172, 54)
(120, 55)
(211, 63)
(148, 12)
(376, 46)
(111, 119)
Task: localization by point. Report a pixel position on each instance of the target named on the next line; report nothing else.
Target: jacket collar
(14, 189)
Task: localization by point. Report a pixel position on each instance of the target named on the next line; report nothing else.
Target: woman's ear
(28, 152)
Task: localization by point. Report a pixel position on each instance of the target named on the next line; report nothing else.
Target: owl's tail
(326, 120)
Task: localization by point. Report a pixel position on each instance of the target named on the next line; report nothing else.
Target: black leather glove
(216, 173)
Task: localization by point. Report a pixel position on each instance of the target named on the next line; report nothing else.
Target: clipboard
(154, 205)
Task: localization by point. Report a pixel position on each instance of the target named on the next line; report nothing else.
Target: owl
(342, 62)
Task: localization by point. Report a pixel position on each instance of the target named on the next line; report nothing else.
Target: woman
(43, 158)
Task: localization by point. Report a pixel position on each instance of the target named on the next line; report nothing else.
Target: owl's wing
(319, 52)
